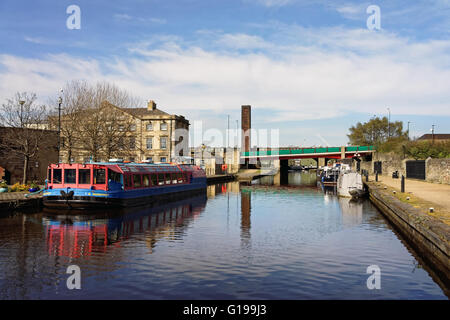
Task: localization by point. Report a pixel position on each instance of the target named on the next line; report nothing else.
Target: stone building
(216, 160)
(153, 136)
(438, 137)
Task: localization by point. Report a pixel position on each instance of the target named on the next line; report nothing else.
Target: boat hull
(94, 202)
(350, 185)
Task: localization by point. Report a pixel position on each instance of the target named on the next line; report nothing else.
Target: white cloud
(328, 72)
(272, 3)
(133, 19)
(242, 41)
(36, 40)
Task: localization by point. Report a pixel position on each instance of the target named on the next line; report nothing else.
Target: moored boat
(350, 185)
(118, 184)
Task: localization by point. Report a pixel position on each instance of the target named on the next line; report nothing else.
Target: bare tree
(26, 121)
(117, 132)
(94, 121)
(75, 99)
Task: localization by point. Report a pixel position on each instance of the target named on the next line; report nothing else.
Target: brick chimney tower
(151, 105)
(246, 125)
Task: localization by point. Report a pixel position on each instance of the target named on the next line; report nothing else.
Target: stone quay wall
(436, 170)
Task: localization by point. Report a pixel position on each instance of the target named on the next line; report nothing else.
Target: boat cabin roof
(128, 168)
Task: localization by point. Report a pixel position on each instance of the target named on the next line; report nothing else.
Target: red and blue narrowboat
(120, 184)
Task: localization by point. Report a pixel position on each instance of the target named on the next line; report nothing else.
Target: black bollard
(367, 176)
(376, 176)
(403, 184)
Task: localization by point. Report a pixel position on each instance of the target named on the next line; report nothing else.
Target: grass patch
(419, 203)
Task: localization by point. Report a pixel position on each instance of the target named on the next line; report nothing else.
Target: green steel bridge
(305, 153)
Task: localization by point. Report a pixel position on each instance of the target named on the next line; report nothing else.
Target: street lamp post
(389, 123)
(59, 125)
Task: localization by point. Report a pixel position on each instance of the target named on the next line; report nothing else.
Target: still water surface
(237, 242)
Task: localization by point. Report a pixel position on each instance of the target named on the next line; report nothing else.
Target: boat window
(145, 180)
(99, 176)
(174, 178)
(167, 178)
(128, 181)
(160, 179)
(70, 176)
(57, 176)
(137, 180)
(114, 176)
(180, 177)
(84, 176)
(154, 180)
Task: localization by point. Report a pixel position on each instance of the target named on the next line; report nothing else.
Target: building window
(149, 126)
(132, 143)
(133, 127)
(150, 159)
(163, 159)
(163, 142)
(149, 143)
(131, 159)
(163, 126)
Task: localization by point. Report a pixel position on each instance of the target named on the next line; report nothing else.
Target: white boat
(350, 184)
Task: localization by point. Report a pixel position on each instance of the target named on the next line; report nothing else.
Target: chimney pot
(151, 105)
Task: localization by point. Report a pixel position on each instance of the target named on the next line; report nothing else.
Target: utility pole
(389, 123)
(237, 133)
(228, 131)
(59, 125)
(408, 128)
(432, 133)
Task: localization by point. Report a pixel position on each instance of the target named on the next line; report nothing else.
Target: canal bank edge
(428, 235)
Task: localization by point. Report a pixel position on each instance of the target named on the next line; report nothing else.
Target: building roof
(437, 136)
(139, 112)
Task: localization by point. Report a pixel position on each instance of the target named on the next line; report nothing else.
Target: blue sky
(309, 68)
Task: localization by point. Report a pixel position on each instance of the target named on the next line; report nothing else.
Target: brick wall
(37, 166)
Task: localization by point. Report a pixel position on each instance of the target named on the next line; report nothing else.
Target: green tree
(376, 131)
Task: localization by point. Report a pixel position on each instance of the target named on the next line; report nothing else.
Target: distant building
(216, 160)
(437, 137)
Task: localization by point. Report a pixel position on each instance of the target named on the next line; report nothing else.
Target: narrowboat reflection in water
(76, 235)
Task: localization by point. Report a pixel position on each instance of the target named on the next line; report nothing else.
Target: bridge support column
(321, 162)
(284, 171)
(342, 152)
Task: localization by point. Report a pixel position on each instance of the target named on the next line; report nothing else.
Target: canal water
(254, 241)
